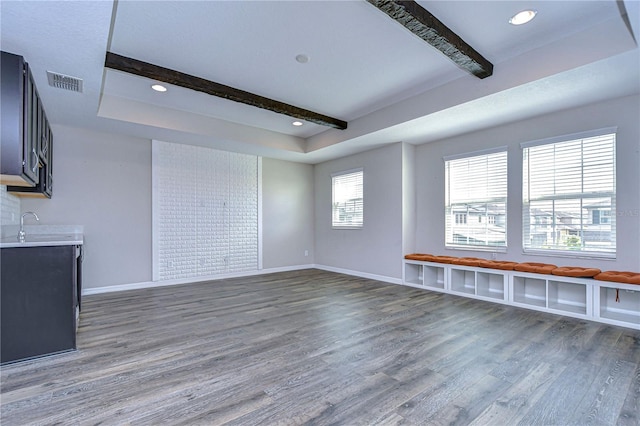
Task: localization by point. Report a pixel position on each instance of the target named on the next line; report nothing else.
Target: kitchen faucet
(21, 233)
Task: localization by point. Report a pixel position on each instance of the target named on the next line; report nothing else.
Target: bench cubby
(413, 273)
(478, 282)
(531, 291)
(568, 297)
(463, 280)
(434, 276)
(492, 285)
(623, 311)
(425, 274)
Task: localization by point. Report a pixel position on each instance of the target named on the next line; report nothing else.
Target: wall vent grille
(65, 82)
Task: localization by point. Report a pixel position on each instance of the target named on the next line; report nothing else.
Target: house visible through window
(461, 218)
(599, 216)
(347, 199)
(569, 195)
(476, 201)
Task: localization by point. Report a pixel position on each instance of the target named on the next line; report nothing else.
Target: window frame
(347, 225)
(583, 196)
(451, 214)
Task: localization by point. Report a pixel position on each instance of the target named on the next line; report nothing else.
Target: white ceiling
(364, 68)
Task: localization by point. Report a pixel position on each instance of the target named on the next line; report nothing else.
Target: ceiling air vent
(65, 82)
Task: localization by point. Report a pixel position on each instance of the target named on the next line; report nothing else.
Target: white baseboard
(286, 269)
(382, 278)
(151, 284)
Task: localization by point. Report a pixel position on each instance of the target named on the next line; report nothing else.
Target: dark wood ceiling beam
(166, 75)
(426, 26)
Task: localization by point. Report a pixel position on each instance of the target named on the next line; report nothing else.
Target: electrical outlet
(494, 256)
(306, 253)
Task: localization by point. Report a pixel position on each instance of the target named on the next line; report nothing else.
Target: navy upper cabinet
(27, 141)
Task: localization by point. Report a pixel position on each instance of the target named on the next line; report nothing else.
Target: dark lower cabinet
(40, 301)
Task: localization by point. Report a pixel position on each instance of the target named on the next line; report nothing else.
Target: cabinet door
(48, 180)
(37, 304)
(39, 138)
(30, 144)
(43, 137)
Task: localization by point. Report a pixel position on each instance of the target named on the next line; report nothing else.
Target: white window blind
(347, 199)
(569, 195)
(476, 201)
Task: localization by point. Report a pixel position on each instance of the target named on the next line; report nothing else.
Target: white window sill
(577, 255)
(478, 248)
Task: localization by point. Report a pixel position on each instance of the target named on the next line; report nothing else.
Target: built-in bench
(611, 297)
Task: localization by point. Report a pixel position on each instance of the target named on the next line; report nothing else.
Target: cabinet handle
(35, 164)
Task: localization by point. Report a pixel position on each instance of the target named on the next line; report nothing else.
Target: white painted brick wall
(205, 211)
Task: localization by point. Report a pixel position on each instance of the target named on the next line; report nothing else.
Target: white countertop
(42, 236)
(43, 240)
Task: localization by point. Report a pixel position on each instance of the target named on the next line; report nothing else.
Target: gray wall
(103, 181)
(622, 113)
(287, 212)
(377, 247)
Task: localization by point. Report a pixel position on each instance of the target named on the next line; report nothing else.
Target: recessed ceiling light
(522, 17)
(297, 123)
(158, 87)
(302, 58)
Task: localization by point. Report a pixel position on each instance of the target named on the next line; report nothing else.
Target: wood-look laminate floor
(314, 347)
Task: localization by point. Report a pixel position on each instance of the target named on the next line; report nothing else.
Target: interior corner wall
(622, 113)
(287, 214)
(103, 182)
(376, 248)
(408, 198)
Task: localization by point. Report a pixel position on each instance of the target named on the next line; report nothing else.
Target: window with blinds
(569, 192)
(347, 199)
(476, 201)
